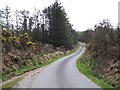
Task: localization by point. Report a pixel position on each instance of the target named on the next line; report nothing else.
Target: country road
(63, 74)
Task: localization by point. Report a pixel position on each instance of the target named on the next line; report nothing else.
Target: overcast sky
(83, 14)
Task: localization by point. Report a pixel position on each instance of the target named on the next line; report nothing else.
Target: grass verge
(9, 85)
(83, 69)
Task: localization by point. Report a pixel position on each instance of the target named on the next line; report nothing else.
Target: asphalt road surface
(63, 74)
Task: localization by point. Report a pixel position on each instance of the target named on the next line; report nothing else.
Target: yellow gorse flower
(2, 38)
(29, 43)
(26, 34)
(17, 39)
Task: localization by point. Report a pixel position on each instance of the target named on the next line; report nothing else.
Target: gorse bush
(26, 40)
(10, 41)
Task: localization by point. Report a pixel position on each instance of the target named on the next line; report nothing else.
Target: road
(63, 74)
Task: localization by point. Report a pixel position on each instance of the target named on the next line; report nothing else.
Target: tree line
(50, 25)
(102, 34)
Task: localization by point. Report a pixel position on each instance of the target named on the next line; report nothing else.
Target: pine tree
(59, 33)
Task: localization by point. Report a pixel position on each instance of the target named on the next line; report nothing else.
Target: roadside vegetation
(87, 71)
(102, 57)
(10, 84)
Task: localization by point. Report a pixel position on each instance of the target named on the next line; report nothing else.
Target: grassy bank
(27, 69)
(82, 67)
(9, 85)
(36, 64)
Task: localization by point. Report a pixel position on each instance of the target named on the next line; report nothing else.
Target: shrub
(10, 41)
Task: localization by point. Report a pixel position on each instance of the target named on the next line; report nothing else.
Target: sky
(83, 14)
